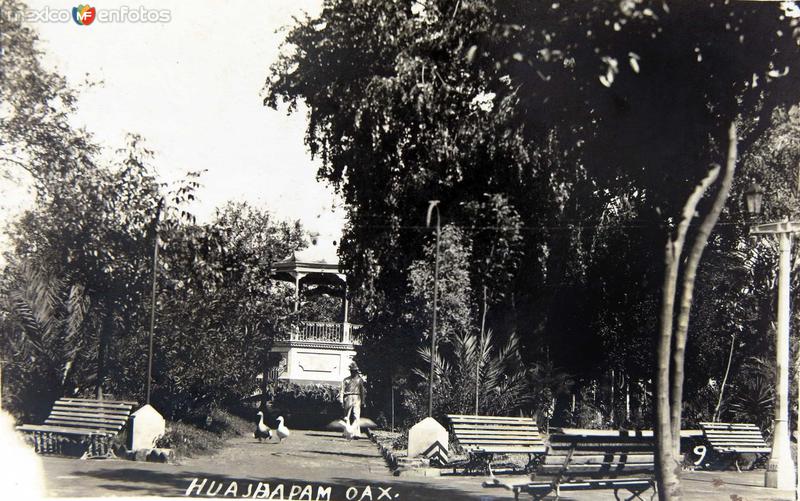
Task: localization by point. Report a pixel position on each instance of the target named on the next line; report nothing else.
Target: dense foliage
(592, 121)
(78, 271)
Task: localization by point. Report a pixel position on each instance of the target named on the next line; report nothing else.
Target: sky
(193, 88)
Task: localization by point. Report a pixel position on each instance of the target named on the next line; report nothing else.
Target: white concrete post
(780, 468)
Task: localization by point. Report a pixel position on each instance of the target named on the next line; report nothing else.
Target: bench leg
(537, 496)
(534, 459)
(634, 494)
(489, 470)
(637, 493)
(480, 463)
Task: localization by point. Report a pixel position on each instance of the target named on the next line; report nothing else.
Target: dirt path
(307, 465)
(312, 465)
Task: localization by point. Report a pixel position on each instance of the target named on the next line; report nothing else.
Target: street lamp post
(153, 301)
(780, 468)
(433, 204)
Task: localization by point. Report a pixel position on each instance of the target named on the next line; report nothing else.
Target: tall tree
(645, 91)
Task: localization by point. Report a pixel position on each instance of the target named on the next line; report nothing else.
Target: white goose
(283, 431)
(262, 430)
(350, 426)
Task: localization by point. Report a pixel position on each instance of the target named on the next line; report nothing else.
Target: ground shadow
(331, 434)
(136, 482)
(339, 453)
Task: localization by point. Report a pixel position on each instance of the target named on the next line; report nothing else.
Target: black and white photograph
(400, 250)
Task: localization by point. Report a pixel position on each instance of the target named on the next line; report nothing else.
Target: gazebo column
(346, 304)
(297, 278)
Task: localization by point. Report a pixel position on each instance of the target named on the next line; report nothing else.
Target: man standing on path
(352, 395)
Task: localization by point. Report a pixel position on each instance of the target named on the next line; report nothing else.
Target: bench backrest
(735, 437)
(103, 415)
(496, 433)
(605, 454)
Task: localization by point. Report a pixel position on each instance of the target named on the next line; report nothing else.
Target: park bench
(732, 440)
(591, 460)
(80, 425)
(482, 437)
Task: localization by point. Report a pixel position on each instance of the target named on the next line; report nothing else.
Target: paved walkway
(321, 465)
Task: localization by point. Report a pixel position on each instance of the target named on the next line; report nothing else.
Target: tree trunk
(102, 352)
(669, 487)
(668, 468)
(689, 276)
(479, 357)
(725, 379)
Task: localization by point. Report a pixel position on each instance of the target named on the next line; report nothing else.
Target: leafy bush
(753, 402)
(187, 440)
(504, 388)
(203, 435)
(401, 442)
(311, 405)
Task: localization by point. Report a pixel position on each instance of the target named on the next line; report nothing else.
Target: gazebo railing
(326, 332)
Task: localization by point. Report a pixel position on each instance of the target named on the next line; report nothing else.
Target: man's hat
(353, 366)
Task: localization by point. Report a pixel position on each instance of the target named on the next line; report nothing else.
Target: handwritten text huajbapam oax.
(204, 487)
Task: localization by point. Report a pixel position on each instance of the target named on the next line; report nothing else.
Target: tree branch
(689, 276)
(668, 467)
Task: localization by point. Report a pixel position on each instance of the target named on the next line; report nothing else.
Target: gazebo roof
(319, 258)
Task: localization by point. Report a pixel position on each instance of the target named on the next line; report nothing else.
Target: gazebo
(316, 351)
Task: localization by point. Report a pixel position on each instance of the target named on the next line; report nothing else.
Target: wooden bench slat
(92, 417)
(606, 484)
(504, 447)
(496, 427)
(744, 442)
(87, 422)
(496, 434)
(88, 410)
(737, 439)
(483, 445)
(60, 429)
(732, 432)
(87, 415)
(745, 449)
(597, 469)
(602, 458)
(752, 438)
(587, 485)
(494, 424)
(92, 400)
(105, 415)
(468, 417)
(708, 424)
(489, 430)
(107, 405)
(62, 424)
(494, 440)
(734, 437)
(511, 450)
(474, 443)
